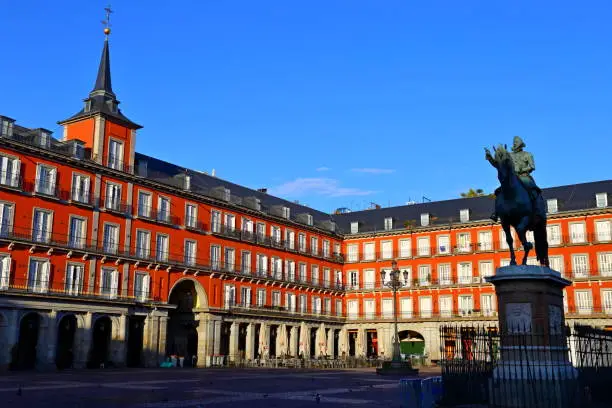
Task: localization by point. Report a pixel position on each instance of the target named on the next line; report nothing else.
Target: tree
(473, 193)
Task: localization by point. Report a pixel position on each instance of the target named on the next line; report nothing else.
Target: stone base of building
(396, 368)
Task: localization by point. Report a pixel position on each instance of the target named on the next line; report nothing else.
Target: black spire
(103, 80)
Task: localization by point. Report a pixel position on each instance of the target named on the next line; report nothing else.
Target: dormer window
(354, 227)
(601, 200)
(6, 127)
(88, 105)
(44, 138)
(424, 219)
(308, 219)
(226, 194)
(187, 183)
(388, 224)
(551, 206)
(464, 215)
(286, 212)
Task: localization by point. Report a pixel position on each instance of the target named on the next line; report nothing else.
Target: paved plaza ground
(168, 388)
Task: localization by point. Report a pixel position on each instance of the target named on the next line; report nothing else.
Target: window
(556, 263)
(314, 245)
(163, 209)
(485, 240)
(303, 303)
(215, 221)
(143, 244)
(314, 274)
(424, 220)
(9, 171)
(6, 219)
(443, 244)
(115, 154)
(405, 248)
(465, 273)
(162, 247)
(353, 253)
(368, 251)
(446, 306)
(5, 271)
(80, 188)
(190, 252)
(277, 268)
(308, 219)
(247, 227)
(352, 309)
(423, 246)
(425, 306)
(530, 237)
(584, 301)
(553, 234)
(290, 239)
(326, 249)
(290, 303)
(368, 278)
(551, 206)
(245, 297)
(290, 268)
(110, 239)
(387, 308)
(144, 204)
(326, 277)
(302, 267)
(286, 212)
(141, 286)
(580, 264)
(261, 231)
(464, 215)
(6, 129)
(109, 282)
(276, 235)
(45, 179)
(41, 230)
(387, 249)
(261, 297)
(38, 275)
(302, 242)
(369, 308)
(388, 224)
(76, 232)
(230, 259)
(577, 233)
(487, 306)
(338, 278)
(276, 299)
(605, 263)
(262, 265)
(113, 196)
(601, 200)
(444, 274)
(229, 298)
(245, 262)
(603, 231)
(486, 269)
(503, 241)
(463, 242)
(424, 275)
(191, 215)
(338, 307)
(406, 307)
(336, 249)
(230, 222)
(606, 300)
(466, 305)
(504, 262)
(354, 227)
(353, 279)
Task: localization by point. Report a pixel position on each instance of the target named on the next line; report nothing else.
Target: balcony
(114, 163)
(116, 206)
(410, 315)
(77, 196)
(307, 313)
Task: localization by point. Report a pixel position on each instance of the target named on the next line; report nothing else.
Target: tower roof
(103, 80)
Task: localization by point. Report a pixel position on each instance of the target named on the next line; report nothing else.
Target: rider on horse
(523, 166)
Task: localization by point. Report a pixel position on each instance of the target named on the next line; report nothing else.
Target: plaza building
(108, 256)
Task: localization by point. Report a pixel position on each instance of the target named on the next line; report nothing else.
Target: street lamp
(394, 284)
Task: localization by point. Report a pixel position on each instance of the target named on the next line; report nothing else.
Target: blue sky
(333, 103)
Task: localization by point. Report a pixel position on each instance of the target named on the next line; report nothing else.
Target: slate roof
(569, 198)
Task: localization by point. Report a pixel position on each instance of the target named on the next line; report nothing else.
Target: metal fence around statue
(482, 366)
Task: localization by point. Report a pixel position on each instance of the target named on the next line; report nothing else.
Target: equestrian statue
(518, 201)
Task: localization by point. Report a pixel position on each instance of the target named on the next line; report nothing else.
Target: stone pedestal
(534, 366)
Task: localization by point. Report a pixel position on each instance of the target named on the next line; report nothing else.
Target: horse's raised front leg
(510, 241)
(521, 231)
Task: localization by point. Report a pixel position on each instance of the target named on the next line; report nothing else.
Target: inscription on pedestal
(555, 319)
(518, 317)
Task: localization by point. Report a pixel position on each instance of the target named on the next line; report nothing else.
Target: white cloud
(318, 186)
(370, 170)
(323, 168)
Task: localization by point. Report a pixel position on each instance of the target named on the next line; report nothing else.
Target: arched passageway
(336, 342)
(411, 343)
(313, 341)
(24, 353)
(352, 343)
(272, 340)
(64, 352)
(135, 341)
(242, 339)
(100, 342)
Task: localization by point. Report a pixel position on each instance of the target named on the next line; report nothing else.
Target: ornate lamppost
(394, 284)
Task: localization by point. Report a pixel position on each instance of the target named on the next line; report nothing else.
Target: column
(250, 352)
(82, 340)
(330, 341)
(203, 343)
(162, 326)
(119, 340)
(47, 340)
(362, 343)
(264, 346)
(233, 346)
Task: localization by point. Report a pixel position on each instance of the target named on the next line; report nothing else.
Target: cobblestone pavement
(168, 388)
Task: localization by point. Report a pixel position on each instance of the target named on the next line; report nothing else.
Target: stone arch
(412, 342)
(102, 329)
(24, 354)
(67, 325)
(200, 301)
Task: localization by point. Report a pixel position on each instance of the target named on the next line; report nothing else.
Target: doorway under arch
(101, 341)
(24, 355)
(412, 343)
(64, 351)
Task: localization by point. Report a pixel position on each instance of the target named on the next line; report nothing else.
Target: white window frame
(352, 251)
(603, 230)
(245, 267)
(215, 221)
(81, 186)
(111, 291)
(445, 274)
(10, 169)
(145, 205)
(80, 239)
(388, 223)
(464, 277)
(601, 200)
(386, 249)
(161, 254)
(354, 227)
(46, 187)
(75, 274)
(580, 269)
(423, 250)
(577, 237)
(552, 206)
(111, 246)
(112, 196)
(464, 215)
(38, 280)
(143, 294)
(5, 270)
(115, 161)
(191, 215)
(405, 250)
(163, 214)
(143, 251)
(425, 312)
(443, 249)
(553, 234)
(191, 252)
(485, 244)
(604, 262)
(7, 215)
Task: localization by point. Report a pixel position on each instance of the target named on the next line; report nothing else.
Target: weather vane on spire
(106, 22)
